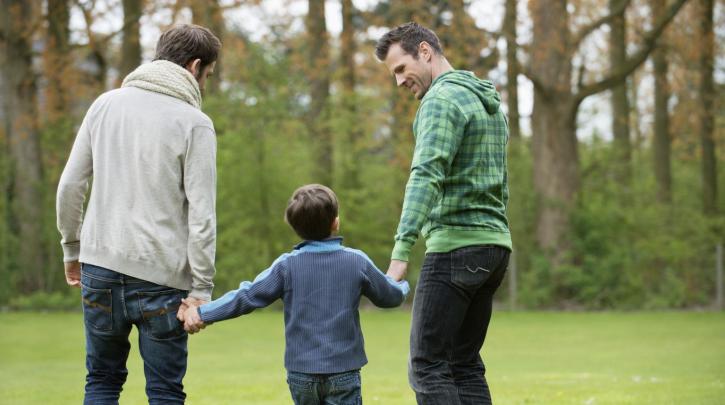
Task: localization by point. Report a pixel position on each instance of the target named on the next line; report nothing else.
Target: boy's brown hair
(311, 211)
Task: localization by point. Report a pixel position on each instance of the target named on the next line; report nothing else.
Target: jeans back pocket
(97, 307)
(158, 310)
(472, 266)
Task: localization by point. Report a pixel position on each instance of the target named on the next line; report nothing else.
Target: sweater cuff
(71, 251)
(203, 294)
(401, 250)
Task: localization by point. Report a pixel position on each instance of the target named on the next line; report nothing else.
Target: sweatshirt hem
(141, 270)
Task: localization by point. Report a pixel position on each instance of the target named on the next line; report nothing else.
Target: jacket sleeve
(266, 288)
(71, 194)
(438, 133)
(381, 289)
(200, 188)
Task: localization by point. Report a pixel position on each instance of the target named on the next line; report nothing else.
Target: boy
(320, 283)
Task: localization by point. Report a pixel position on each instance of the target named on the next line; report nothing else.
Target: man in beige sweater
(148, 237)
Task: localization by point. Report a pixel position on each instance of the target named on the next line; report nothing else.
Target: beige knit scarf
(168, 78)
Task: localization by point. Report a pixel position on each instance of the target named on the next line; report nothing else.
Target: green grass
(532, 358)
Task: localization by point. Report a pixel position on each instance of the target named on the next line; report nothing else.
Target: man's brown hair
(409, 36)
(186, 42)
(311, 211)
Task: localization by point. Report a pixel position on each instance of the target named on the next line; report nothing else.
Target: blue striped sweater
(320, 284)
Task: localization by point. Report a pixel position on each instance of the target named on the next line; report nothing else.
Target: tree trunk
(512, 69)
(707, 95)
(60, 75)
(208, 13)
(556, 162)
(131, 45)
(19, 95)
(620, 103)
(319, 77)
(661, 142)
(349, 99)
(57, 61)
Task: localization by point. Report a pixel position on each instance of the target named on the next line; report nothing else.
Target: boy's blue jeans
(112, 304)
(327, 389)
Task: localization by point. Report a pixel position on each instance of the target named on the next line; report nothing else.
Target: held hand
(192, 320)
(397, 269)
(73, 273)
(185, 305)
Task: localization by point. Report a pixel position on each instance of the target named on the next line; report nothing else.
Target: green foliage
(63, 300)
(628, 251)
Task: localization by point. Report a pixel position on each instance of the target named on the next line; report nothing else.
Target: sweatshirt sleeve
(267, 287)
(71, 194)
(381, 289)
(438, 134)
(200, 188)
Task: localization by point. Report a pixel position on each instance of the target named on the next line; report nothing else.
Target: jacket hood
(483, 89)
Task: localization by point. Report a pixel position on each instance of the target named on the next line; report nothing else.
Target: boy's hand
(185, 305)
(192, 320)
(397, 269)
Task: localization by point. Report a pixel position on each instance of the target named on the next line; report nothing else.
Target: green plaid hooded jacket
(457, 191)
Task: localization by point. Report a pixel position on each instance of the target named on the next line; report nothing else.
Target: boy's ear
(335, 225)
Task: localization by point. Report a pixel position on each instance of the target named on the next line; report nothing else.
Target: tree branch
(633, 62)
(582, 34)
(526, 70)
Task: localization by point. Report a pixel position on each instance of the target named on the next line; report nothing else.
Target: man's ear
(425, 50)
(194, 67)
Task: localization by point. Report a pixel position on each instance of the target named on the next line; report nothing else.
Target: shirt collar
(326, 245)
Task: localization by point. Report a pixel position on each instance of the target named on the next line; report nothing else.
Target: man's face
(414, 74)
(203, 74)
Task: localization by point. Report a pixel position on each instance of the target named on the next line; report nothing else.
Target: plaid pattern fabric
(458, 178)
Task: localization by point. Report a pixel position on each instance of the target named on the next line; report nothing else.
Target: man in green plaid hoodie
(456, 196)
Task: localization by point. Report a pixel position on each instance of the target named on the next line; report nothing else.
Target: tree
(556, 103)
(463, 42)
(131, 45)
(620, 102)
(707, 94)
(208, 13)
(661, 141)
(97, 44)
(18, 20)
(57, 60)
(512, 69)
(319, 78)
(348, 47)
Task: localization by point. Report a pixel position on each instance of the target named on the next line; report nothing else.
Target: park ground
(531, 357)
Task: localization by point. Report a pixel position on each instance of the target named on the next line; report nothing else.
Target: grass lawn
(532, 358)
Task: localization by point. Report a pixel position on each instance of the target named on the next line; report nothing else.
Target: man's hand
(397, 269)
(73, 273)
(192, 320)
(185, 305)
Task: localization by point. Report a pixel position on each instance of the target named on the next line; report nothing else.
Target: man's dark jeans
(112, 303)
(325, 389)
(451, 313)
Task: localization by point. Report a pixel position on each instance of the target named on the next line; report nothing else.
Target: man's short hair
(409, 36)
(184, 43)
(311, 211)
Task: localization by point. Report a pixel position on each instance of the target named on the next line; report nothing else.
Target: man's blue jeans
(112, 304)
(451, 313)
(325, 389)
